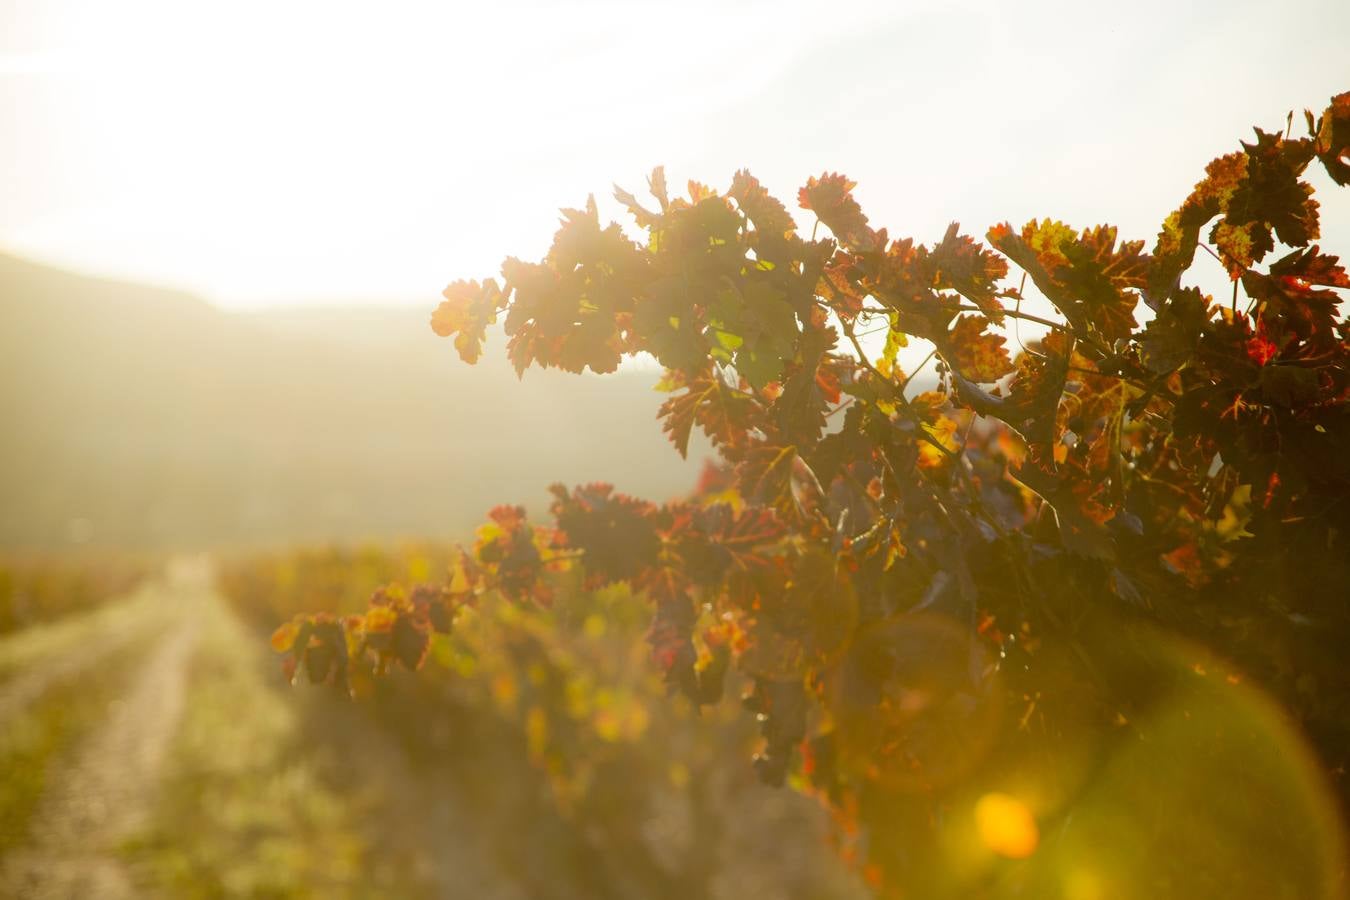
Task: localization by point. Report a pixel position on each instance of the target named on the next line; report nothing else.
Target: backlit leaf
(961, 264)
(764, 211)
(721, 411)
(830, 197)
(1086, 276)
(979, 353)
(466, 312)
(1171, 339)
(1333, 139)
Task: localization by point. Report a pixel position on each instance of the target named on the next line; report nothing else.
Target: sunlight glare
(1006, 825)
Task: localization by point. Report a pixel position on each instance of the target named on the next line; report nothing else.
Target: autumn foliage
(919, 587)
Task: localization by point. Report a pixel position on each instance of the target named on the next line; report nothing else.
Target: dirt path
(45, 655)
(107, 786)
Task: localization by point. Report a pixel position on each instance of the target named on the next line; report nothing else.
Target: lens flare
(1006, 825)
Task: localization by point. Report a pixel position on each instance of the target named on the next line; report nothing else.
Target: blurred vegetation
(245, 808)
(535, 755)
(268, 588)
(38, 588)
(553, 734)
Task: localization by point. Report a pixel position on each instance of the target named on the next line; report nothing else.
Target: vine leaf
(1333, 138)
(615, 532)
(800, 411)
(765, 212)
(1088, 278)
(1290, 294)
(959, 263)
(1268, 202)
(1180, 234)
(644, 217)
(766, 477)
(465, 313)
(1170, 340)
(721, 411)
(672, 629)
(978, 353)
(656, 184)
(830, 197)
(670, 326)
(1259, 195)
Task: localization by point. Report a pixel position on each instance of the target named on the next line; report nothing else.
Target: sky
(263, 153)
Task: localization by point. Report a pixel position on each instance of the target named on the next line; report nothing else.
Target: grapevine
(916, 585)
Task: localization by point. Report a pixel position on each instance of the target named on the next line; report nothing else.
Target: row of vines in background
(559, 732)
(36, 589)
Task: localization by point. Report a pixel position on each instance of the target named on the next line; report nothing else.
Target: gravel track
(105, 786)
(68, 648)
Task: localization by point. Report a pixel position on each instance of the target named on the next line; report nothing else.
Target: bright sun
(262, 152)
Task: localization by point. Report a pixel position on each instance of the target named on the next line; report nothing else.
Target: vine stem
(917, 369)
(904, 401)
(1016, 314)
(1010, 313)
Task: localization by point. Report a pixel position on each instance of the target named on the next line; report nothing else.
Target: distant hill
(135, 416)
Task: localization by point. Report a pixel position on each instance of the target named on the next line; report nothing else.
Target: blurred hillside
(139, 417)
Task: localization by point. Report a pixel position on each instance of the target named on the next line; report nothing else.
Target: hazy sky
(318, 151)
